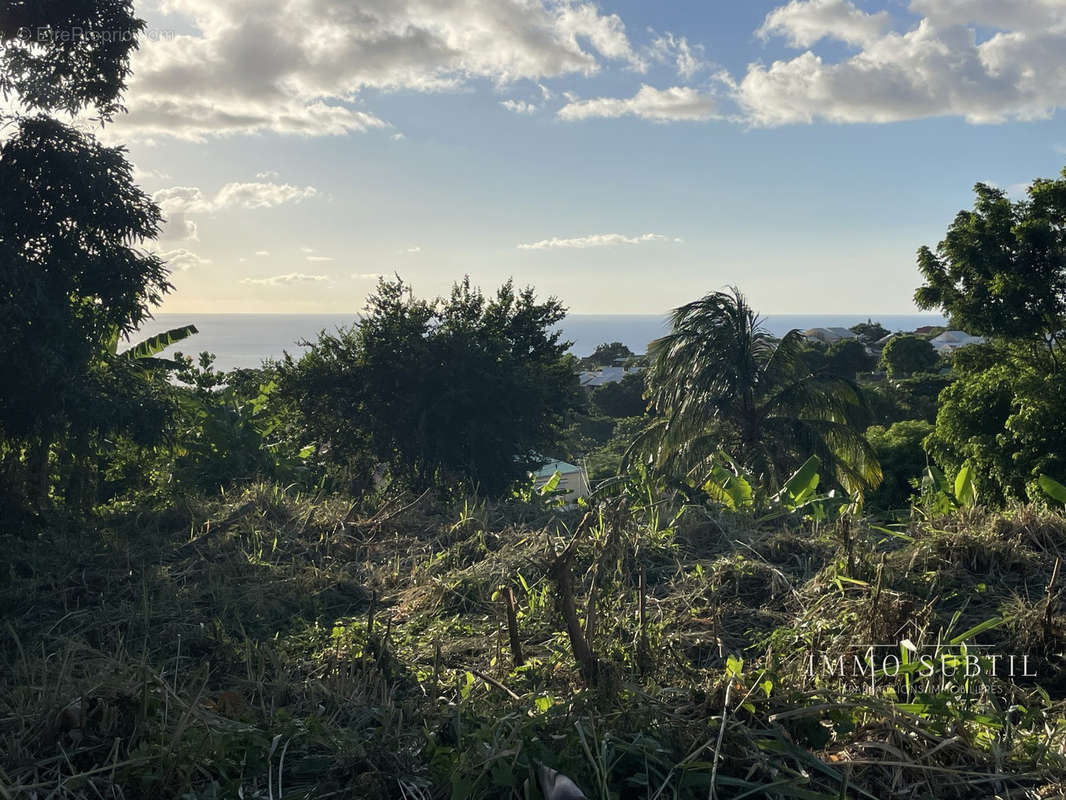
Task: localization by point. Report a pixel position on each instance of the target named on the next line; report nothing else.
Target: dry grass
(284, 646)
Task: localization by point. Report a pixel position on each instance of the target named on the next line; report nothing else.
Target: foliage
(1008, 420)
(847, 358)
(607, 459)
(71, 277)
(624, 398)
(441, 391)
(903, 460)
(66, 55)
(1001, 269)
(870, 331)
(904, 356)
(720, 381)
(607, 354)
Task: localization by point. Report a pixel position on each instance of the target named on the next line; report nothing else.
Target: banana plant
(942, 496)
(1053, 489)
(144, 353)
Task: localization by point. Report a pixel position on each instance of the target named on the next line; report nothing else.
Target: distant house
(879, 345)
(605, 375)
(950, 341)
(573, 480)
(828, 335)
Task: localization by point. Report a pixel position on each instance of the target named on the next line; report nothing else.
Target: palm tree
(721, 381)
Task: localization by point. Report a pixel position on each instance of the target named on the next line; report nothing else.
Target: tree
(870, 331)
(719, 380)
(442, 391)
(624, 398)
(607, 355)
(66, 55)
(72, 276)
(901, 452)
(906, 355)
(1001, 269)
(1007, 418)
(847, 358)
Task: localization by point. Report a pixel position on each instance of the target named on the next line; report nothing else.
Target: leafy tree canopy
(458, 388)
(607, 355)
(847, 358)
(870, 331)
(1008, 419)
(71, 275)
(907, 355)
(1001, 269)
(66, 55)
(901, 452)
(624, 398)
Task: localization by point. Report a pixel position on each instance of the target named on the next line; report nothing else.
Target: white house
(605, 375)
(950, 341)
(573, 480)
(829, 335)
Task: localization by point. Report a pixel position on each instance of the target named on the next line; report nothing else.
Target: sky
(624, 156)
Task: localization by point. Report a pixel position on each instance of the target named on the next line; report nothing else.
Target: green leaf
(803, 482)
(553, 481)
(965, 490)
(1053, 489)
(981, 627)
(157, 344)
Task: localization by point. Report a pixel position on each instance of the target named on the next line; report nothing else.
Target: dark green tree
(465, 388)
(901, 452)
(72, 276)
(607, 355)
(1008, 419)
(624, 398)
(870, 331)
(1001, 269)
(847, 358)
(904, 356)
(67, 55)
(721, 380)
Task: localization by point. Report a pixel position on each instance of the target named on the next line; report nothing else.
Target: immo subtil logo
(945, 666)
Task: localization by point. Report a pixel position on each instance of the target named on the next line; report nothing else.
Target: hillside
(274, 645)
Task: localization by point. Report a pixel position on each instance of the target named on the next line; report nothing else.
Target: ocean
(245, 340)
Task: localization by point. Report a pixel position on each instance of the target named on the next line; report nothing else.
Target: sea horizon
(246, 339)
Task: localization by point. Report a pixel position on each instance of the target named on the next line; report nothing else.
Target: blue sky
(624, 156)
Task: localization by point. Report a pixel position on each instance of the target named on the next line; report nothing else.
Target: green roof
(552, 467)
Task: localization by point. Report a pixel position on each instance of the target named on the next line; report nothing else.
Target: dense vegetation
(333, 576)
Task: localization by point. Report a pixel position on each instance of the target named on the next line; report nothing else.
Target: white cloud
(596, 240)
(805, 22)
(687, 58)
(267, 175)
(519, 106)
(366, 276)
(319, 258)
(261, 195)
(987, 61)
(141, 175)
(298, 66)
(178, 202)
(262, 252)
(285, 280)
(182, 260)
(410, 250)
(676, 104)
(186, 199)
